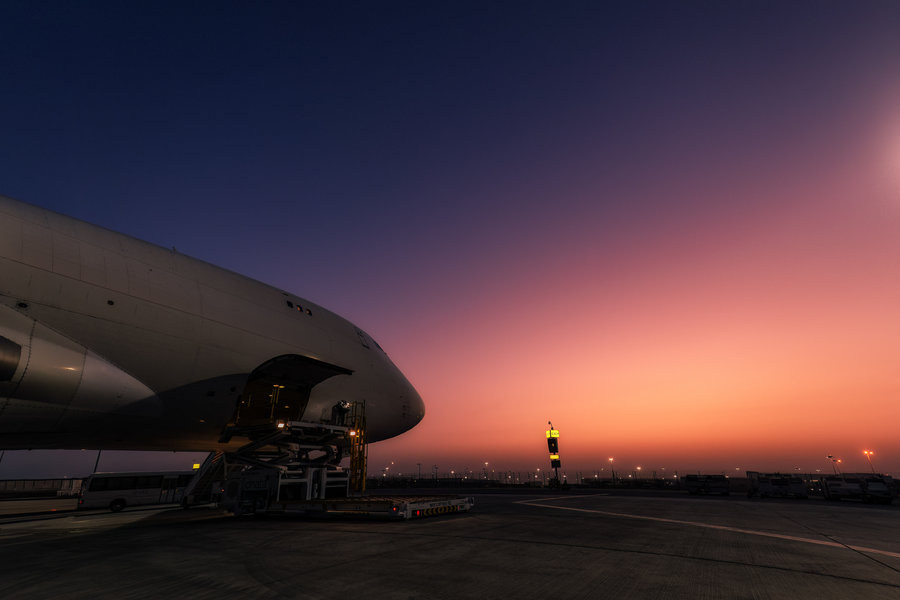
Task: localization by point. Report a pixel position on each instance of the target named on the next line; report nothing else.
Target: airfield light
(280, 425)
(869, 454)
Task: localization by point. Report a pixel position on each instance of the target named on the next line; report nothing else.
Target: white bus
(115, 491)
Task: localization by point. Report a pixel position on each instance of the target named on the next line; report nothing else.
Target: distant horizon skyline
(53, 464)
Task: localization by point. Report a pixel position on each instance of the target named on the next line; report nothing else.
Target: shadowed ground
(528, 545)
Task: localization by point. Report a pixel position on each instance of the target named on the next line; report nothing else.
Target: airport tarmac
(528, 544)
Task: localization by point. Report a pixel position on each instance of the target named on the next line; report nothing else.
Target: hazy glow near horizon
(768, 341)
(671, 231)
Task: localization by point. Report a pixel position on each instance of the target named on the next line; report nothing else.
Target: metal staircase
(206, 481)
(199, 489)
(359, 449)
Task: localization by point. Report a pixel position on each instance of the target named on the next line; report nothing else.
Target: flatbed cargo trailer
(390, 507)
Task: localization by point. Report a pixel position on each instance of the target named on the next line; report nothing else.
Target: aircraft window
(362, 338)
(365, 339)
(299, 308)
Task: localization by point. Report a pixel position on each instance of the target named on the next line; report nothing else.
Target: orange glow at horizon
(768, 343)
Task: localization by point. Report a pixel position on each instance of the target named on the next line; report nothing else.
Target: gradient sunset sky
(672, 228)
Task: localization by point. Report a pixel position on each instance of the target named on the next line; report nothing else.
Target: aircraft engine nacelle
(48, 382)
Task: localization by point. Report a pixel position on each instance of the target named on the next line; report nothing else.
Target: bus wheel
(117, 505)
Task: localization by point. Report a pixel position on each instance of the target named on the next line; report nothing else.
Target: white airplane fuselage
(110, 342)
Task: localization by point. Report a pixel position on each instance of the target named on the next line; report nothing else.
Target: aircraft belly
(28, 416)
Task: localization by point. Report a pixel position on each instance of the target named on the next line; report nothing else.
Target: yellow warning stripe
(439, 510)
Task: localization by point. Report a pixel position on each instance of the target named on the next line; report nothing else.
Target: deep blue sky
(415, 165)
(344, 135)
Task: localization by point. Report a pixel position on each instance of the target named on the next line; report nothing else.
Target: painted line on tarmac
(780, 536)
(569, 497)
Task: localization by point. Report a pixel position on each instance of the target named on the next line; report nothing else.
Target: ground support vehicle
(706, 484)
(323, 490)
(391, 507)
(117, 491)
(294, 467)
(776, 485)
(859, 486)
(878, 489)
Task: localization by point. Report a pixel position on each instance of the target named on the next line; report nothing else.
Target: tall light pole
(612, 469)
(869, 455)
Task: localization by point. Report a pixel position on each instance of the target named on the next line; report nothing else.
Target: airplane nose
(416, 406)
